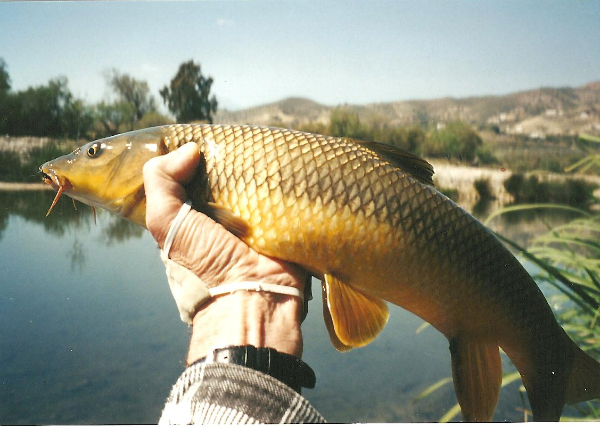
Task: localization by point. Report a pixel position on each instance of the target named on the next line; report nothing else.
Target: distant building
(537, 135)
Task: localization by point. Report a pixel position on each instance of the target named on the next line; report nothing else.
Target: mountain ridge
(543, 111)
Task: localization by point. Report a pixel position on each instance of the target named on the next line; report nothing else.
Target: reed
(568, 257)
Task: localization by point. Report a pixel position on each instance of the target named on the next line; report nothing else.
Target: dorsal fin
(415, 166)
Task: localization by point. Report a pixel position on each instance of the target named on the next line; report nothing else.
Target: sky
(331, 51)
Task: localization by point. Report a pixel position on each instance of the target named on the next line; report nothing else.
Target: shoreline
(462, 178)
(24, 186)
(447, 176)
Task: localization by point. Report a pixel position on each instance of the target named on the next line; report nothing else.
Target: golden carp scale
(365, 218)
(338, 208)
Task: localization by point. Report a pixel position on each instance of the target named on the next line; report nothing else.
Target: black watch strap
(284, 367)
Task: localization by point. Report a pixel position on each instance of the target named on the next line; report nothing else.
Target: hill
(288, 112)
(535, 113)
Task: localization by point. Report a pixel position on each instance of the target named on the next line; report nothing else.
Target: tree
(4, 78)
(114, 116)
(77, 119)
(187, 96)
(345, 122)
(40, 111)
(132, 91)
(455, 140)
(46, 110)
(4, 97)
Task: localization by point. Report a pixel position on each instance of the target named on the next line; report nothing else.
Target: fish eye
(93, 150)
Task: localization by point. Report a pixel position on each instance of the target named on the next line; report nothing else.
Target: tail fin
(559, 373)
(584, 381)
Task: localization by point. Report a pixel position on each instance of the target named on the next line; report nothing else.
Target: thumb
(164, 178)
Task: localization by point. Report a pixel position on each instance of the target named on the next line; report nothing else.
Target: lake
(90, 334)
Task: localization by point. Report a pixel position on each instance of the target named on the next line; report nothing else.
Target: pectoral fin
(198, 190)
(234, 224)
(352, 318)
(339, 346)
(477, 373)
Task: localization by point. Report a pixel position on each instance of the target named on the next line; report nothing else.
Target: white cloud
(222, 22)
(150, 68)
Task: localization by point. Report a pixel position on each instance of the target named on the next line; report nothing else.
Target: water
(89, 333)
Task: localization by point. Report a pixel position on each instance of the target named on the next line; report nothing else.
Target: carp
(364, 218)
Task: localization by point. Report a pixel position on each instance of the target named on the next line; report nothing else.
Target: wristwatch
(284, 367)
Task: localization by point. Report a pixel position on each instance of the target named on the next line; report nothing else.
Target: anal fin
(477, 374)
(353, 319)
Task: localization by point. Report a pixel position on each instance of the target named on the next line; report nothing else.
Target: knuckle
(151, 166)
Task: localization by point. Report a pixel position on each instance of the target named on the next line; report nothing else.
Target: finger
(174, 169)
(164, 177)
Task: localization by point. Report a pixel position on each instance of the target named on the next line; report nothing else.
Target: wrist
(261, 319)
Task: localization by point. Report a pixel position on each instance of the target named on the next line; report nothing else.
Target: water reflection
(77, 255)
(482, 208)
(88, 328)
(33, 205)
(89, 332)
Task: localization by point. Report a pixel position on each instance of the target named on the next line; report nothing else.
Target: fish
(365, 219)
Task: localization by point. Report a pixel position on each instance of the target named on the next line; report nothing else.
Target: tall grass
(568, 257)
(589, 144)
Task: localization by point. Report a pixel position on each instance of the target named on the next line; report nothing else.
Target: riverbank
(462, 178)
(447, 176)
(24, 186)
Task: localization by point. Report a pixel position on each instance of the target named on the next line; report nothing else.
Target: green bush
(151, 119)
(345, 122)
(456, 140)
(484, 189)
(531, 190)
(15, 169)
(451, 193)
(484, 155)
(10, 166)
(551, 165)
(514, 185)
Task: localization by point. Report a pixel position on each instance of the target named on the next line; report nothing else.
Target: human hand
(216, 256)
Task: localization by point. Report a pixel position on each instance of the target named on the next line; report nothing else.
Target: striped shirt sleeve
(217, 393)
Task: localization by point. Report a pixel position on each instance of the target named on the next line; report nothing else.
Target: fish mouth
(50, 177)
(60, 184)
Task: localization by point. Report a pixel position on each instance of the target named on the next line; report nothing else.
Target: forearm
(260, 319)
(253, 336)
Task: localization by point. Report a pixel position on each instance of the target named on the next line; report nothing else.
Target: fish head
(107, 173)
